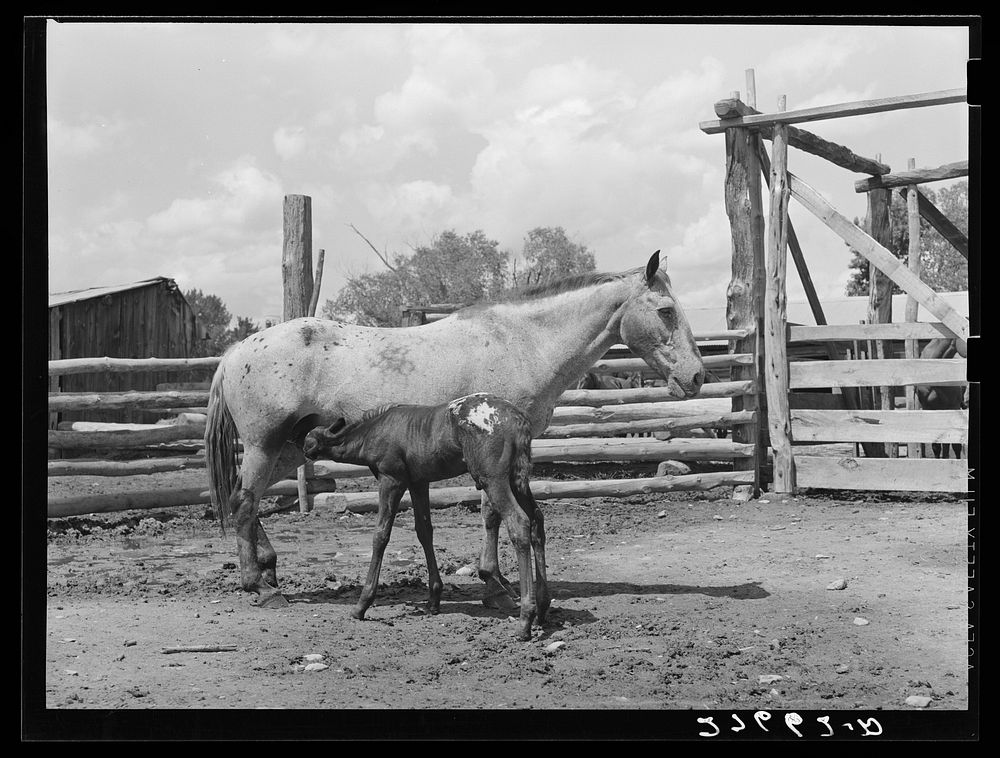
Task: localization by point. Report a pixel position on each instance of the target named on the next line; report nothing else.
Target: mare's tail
(221, 449)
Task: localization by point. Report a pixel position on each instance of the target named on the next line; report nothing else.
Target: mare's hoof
(358, 615)
(274, 600)
(501, 602)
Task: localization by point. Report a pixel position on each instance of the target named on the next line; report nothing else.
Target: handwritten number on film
(871, 726)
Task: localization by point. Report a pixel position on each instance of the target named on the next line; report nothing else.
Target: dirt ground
(660, 602)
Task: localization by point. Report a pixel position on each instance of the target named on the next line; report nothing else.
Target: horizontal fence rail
(885, 372)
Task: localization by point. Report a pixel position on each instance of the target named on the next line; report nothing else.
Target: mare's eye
(665, 310)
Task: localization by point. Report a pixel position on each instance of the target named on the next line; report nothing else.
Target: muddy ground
(660, 603)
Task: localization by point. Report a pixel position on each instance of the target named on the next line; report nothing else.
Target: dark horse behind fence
(273, 387)
(942, 397)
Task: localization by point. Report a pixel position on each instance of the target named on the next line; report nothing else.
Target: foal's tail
(221, 448)
(517, 460)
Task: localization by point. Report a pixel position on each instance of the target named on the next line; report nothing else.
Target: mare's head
(322, 441)
(654, 327)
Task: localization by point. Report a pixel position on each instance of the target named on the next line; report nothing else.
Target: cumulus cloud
(240, 194)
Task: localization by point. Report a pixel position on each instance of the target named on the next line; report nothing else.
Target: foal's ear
(336, 426)
(652, 267)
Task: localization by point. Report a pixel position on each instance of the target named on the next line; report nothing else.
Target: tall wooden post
(775, 315)
(910, 347)
(297, 278)
(296, 258)
(743, 297)
(879, 227)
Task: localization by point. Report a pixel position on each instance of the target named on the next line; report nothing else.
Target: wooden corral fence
(797, 415)
(582, 430)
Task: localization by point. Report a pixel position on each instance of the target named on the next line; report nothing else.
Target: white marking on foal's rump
(482, 416)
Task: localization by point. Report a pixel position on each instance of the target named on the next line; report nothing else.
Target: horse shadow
(466, 599)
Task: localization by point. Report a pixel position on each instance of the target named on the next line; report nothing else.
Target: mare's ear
(652, 267)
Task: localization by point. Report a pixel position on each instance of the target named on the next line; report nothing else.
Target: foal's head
(323, 441)
(654, 327)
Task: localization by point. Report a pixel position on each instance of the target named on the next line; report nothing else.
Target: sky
(172, 145)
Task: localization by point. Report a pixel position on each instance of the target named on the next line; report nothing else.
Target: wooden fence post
(297, 278)
(775, 317)
(911, 347)
(743, 297)
(880, 298)
(296, 259)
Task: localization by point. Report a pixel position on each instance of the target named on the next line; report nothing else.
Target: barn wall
(148, 322)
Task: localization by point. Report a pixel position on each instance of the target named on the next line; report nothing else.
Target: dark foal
(409, 446)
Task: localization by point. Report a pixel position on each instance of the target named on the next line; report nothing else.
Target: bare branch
(384, 257)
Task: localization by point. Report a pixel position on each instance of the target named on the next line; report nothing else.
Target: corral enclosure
(806, 409)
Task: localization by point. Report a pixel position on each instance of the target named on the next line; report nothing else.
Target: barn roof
(74, 296)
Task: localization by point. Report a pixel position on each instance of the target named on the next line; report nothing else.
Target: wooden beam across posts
(919, 330)
(654, 394)
(944, 475)
(67, 366)
(775, 320)
(103, 401)
(941, 223)
(899, 372)
(443, 497)
(881, 426)
(806, 141)
(857, 108)
(888, 263)
(296, 258)
(913, 176)
(744, 305)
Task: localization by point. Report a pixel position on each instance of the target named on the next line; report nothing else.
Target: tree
(214, 318)
(549, 254)
(243, 328)
(942, 267)
(452, 269)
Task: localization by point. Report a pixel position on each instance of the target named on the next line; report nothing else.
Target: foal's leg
(390, 491)
(254, 476)
(420, 498)
(519, 529)
(527, 502)
(498, 593)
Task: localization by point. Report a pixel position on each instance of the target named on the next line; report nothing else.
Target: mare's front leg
(498, 592)
(390, 492)
(420, 497)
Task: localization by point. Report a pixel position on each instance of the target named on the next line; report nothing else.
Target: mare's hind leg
(498, 593)
(420, 498)
(390, 492)
(254, 476)
(289, 459)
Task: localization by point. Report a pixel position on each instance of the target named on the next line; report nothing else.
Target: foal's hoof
(274, 600)
(501, 602)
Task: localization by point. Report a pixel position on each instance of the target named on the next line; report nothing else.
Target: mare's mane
(570, 283)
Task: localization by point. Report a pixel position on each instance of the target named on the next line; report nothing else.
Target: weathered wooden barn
(145, 319)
